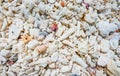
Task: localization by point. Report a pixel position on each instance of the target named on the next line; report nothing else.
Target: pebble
(32, 44)
(52, 66)
(114, 42)
(105, 27)
(34, 32)
(103, 60)
(79, 61)
(113, 70)
(14, 32)
(78, 1)
(51, 1)
(66, 68)
(44, 33)
(105, 45)
(54, 57)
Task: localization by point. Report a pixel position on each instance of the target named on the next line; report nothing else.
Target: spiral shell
(41, 48)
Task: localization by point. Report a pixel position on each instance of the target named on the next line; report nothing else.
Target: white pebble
(103, 60)
(32, 44)
(51, 1)
(66, 68)
(54, 57)
(80, 61)
(34, 32)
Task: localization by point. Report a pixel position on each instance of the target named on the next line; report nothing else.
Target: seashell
(34, 32)
(67, 33)
(26, 38)
(43, 61)
(103, 60)
(105, 45)
(41, 48)
(114, 42)
(60, 31)
(43, 24)
(63, 60)
(66, 42)
(29, 70)
(113, 70)
(89, 61)
(54, 57)
(80, 61)
(4, 25)
(14, 32)
(54, 72)
(76, 70)
(100, 73)
(32, 44)
(2, 59)
(78, 1)
(51, 1)
(35, 54)
(63, 11)
(5, 52)
(48, 72)
(78, 29)
(65, 69)
(52, 66)
(1, 24)
(53, 48)
(105, 27)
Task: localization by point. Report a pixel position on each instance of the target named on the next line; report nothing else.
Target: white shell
(78, 1)
(113, 69)
(43, 61)
(4, 25)
(67, 33)
(105, 45)
(54, 57)
(51, 1)
(76, 70)
(14, 32)
(32, 44)
(103, 60)
(105, 27)
(2, 59)
(80, 61)
(63, 60)
(68, 43)
(66, 68)
(34, 32)
(48, 72)
(4, 52)
(114, 42)
(52, 65)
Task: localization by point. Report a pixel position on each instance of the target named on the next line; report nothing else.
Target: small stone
(113, 70)
(14, 32)
(74, 75)
(4, 52)
(78, 1)
(41, 48)
(54, 57)
(105, 27)
(52, 65)
(80, 61)
(66, 68)
(105, 46)
(32, 44)
(51, 1)
(34, 32)
(103, 60)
